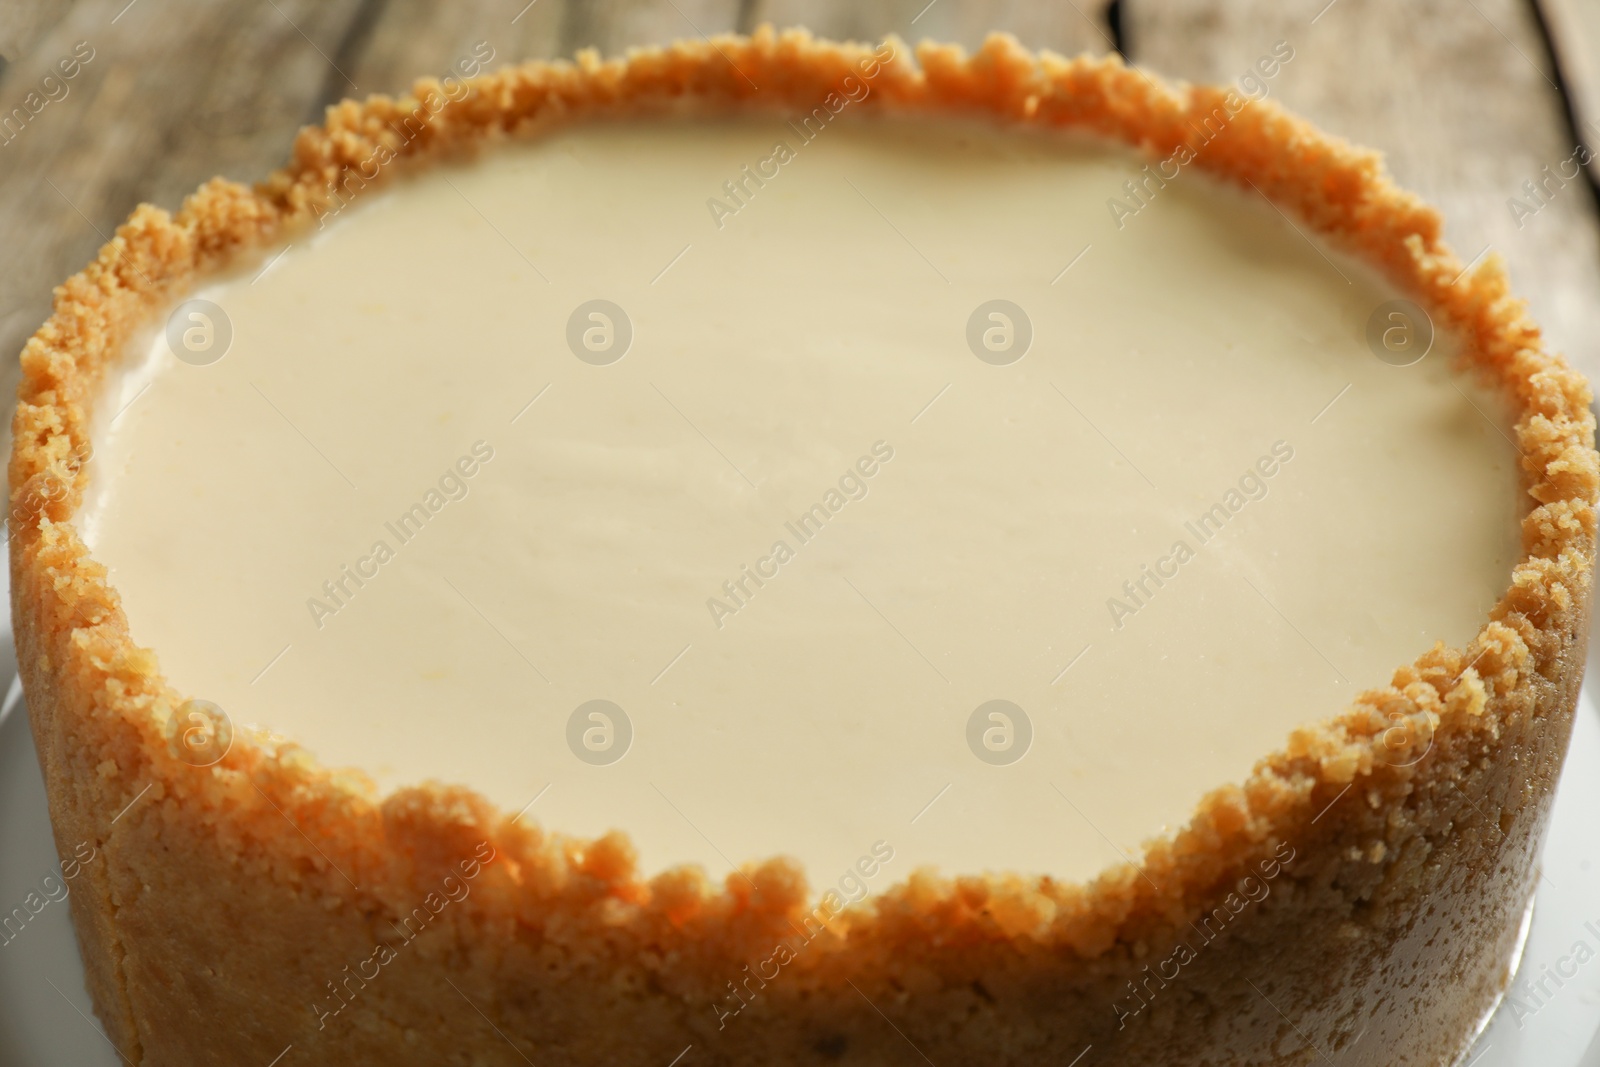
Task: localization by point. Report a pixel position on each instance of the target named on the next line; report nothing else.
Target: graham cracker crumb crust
(1391, 880)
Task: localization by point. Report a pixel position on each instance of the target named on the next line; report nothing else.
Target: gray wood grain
(413, 38)
(22, 24)
(1064, 26)
(1575, 37)
(174, 94)
(410, 38)
(1459, 96)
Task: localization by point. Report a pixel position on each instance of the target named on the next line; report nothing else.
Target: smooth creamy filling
(800, 533)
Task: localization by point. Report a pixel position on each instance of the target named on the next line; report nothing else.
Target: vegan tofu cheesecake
(774, 551)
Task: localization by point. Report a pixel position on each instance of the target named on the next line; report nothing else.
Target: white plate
(46, 1019)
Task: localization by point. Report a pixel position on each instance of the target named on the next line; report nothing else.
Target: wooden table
(1463, 96)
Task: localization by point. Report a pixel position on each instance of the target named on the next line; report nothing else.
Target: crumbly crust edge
(71, 614)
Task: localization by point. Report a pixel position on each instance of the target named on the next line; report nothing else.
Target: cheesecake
(775, 551)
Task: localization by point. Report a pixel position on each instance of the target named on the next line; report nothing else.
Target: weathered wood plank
(410, 38)
(1068, 28)
(616, 24)
(174, 93)
(1461, 100)
(23, 22)
(413, 38)
(1575, 37)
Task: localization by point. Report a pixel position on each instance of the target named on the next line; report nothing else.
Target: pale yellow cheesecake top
(865, 433)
